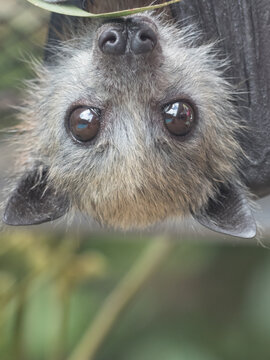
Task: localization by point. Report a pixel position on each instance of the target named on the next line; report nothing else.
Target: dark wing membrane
(243, 26)
(59, 24)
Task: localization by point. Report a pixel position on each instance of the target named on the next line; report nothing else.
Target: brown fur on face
(134, 173)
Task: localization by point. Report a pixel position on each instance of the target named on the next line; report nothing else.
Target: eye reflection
(84, 123)
(179, 118)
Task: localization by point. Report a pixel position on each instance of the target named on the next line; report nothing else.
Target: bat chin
(127, 222)
(132, 215)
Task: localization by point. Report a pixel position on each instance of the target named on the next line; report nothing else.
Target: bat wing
(57, 28)
(243, 30)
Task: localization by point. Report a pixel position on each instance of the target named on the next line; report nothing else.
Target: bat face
(132, 124)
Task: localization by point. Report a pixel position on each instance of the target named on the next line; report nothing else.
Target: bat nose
(134, 36)
(113, 41)
(143, 40)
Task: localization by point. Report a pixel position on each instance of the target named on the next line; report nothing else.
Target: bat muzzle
(134, 35)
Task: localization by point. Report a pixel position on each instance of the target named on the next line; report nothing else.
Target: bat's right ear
(34, 201)
(229, 213)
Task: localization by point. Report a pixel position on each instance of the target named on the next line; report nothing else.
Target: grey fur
(135, 173)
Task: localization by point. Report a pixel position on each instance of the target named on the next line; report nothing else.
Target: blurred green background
(206, 298)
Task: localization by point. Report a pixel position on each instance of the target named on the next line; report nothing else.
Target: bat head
(132, 123)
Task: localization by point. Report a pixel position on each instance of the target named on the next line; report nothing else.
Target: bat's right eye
(84, 123)
(179, 118)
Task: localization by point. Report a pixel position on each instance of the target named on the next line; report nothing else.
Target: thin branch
(121, 296)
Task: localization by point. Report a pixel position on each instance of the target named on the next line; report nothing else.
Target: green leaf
(72, 10)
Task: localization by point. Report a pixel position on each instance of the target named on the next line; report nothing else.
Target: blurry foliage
(23, 30)
(43, 273)
(208, 301)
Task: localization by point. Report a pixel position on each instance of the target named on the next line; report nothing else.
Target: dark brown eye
(179, 118)
(84, 123)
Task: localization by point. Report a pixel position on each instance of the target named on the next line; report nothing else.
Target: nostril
(112, 42)
(145, 35)
(144, 41)
(107, 37)
(111, 39)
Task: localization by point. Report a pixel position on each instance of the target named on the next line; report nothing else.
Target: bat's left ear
(34, 201)
(229, 213)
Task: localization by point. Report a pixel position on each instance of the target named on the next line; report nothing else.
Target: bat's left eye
(84, 123)
(179, 118)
